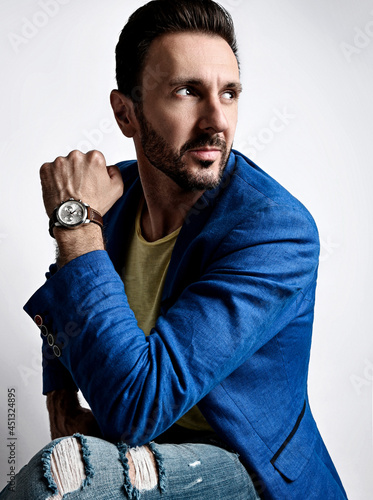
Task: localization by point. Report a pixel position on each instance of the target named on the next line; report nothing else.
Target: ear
(124, 113)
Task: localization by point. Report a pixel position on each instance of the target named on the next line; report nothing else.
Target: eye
(229, 94)
(185, 91)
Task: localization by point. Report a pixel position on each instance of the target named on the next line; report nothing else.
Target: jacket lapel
(195, 221)
(120, 218)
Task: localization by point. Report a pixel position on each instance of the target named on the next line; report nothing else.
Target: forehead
(191, 56)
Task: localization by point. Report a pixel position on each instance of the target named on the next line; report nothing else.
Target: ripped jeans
(83, 467)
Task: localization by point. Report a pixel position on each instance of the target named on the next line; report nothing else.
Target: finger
(116, 179)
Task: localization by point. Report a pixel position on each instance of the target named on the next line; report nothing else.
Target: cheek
(231, 129)
(174, 127)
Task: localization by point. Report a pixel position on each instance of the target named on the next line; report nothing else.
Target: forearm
(66, 416)
(80, 177)
(61, 404)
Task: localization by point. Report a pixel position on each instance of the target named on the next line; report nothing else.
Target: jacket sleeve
(55, 375)
(138, 386)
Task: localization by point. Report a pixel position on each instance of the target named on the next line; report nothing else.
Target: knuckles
(75, 154)
(75, 157)
(96, 157)
(59, 162)
(44, 170)
(92, 158)
(81, 175)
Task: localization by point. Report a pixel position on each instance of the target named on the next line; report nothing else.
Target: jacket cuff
(55, 375)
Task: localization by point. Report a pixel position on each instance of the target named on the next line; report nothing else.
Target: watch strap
(95, 216)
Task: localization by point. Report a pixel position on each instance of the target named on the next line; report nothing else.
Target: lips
(205, 154)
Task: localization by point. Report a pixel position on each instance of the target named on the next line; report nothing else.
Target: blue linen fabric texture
(233, 335)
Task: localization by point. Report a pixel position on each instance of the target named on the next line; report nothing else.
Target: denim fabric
(186, 471)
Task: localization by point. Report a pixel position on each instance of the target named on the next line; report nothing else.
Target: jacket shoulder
(260, 186)
(257, 200)
(128, 168)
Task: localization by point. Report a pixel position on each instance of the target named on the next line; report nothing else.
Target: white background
(308, 62)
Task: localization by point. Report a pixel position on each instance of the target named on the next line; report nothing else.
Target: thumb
(115, 177)
(114, 172)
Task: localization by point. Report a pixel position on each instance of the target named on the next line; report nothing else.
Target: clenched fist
(83, 177)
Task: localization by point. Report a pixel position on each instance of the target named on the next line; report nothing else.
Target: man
(203, 353)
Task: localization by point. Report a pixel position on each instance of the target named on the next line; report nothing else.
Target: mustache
(204, 140)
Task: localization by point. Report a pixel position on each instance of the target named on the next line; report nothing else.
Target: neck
(166, 204)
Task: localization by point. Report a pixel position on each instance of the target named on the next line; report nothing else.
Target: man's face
(188, 115)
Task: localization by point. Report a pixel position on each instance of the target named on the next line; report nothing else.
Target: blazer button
(44, 330)
(56, 351)
(50, 339)
(38, 320)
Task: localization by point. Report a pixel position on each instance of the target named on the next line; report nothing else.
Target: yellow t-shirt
(144, 275)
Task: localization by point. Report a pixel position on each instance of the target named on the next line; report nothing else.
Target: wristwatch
(73, 213)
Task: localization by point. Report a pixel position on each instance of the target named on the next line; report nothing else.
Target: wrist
(72, 213)
(73, 243)
(62, 400)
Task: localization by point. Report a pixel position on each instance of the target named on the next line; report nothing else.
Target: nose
(213, 119)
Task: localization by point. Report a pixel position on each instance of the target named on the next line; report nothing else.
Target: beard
(171, 161)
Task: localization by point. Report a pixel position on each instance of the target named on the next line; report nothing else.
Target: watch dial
(71, 213)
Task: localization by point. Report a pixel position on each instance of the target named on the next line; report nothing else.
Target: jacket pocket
(296, 450)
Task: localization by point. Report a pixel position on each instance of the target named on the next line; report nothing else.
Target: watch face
(71, 213)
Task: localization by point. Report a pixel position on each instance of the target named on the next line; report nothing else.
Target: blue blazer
(233, 336)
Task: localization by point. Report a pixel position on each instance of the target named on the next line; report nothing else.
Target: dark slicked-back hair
(160, 17)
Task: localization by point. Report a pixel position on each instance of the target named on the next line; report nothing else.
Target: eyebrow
(198, 83)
